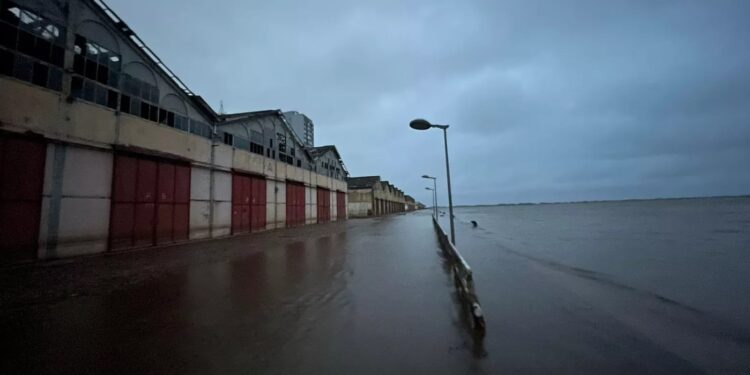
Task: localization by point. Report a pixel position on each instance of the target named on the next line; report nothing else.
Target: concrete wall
(200, 202)
(360, 203)
(381, 199)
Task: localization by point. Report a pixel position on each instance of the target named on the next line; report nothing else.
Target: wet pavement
(368, 296)
(362, 296)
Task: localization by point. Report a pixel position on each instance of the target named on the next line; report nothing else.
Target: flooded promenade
(368, 296)
(361, 296)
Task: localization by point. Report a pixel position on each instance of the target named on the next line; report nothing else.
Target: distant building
(369, 196)
(411, 204)
(302, 126)
(328, 162)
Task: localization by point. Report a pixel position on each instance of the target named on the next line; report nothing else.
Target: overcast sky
(546, 100)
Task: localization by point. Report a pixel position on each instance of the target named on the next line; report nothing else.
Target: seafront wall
(463, 278)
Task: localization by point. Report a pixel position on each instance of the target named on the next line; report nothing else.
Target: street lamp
(434, 199)
(434, 194)
(421, 124)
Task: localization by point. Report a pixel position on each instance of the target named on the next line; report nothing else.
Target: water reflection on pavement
(363, 296)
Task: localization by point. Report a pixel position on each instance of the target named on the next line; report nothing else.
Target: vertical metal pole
(450, 195)
(434, 212)
(434, 196)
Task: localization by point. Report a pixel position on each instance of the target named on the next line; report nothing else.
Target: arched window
(32, 47)
(96, 65)
(173, 112)
(140, 94)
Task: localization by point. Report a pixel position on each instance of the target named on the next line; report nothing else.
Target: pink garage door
(295, 204)
(248, 203)
(324, 205)
(21, 178)
(150, 202)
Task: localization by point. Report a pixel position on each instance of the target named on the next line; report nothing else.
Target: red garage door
(21, 178)
(340, 205)
(248, 203)
(150, 202)
(324, 205)
(295, 204)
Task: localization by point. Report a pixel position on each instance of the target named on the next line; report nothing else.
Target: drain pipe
(211, 189)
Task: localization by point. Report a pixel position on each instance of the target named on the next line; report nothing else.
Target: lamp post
(434, 194)
(421, 124)
(434, 206)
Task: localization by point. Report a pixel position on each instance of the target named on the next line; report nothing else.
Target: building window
(299, 163)
(282, 142)
(200, 129)
(172, 119)
(228, 139)
(33, 48)
(256, 148)
(96, 73)
(139, 98)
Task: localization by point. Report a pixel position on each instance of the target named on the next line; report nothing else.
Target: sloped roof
(362, 182)
(320, 150)
(229, 117)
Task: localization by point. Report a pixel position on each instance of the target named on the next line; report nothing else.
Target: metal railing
(463, 279)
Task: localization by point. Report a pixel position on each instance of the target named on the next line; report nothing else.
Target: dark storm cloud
(547, 100)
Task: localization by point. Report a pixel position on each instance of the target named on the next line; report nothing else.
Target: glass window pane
(26, 42)
(57, 56)
(125, 103)
(79, 64)
(154, 94)
(6, 62)
(91, 69)
(8, 35)
(104, 57)
(154, 114)
(135, 106)
(76, 87)
(101, 95)
(23, 68)
(114, 62)
(144, 110)
(42, 49)
(113, 79)
(89, 90)
(55, 79)
(40, 74)
(102, 74)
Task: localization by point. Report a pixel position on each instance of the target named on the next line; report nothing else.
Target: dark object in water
(474, 224)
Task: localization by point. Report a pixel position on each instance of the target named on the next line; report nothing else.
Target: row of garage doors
(150, 202)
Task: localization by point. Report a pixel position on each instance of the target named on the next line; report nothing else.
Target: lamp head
(420, 124)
